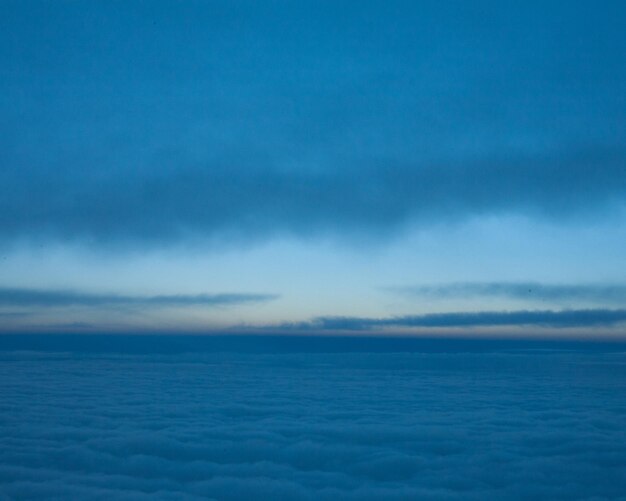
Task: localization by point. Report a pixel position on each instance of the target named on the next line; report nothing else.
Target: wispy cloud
(539, 318)
(518, 290)
(12, 314)
(42, 298)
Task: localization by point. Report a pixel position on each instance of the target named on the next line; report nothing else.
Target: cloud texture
(500, 425)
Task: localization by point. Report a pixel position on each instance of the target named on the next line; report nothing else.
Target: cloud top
(313, 426)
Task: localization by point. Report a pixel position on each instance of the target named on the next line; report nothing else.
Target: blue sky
(313, 167)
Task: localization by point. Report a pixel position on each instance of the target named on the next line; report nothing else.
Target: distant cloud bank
(43, 298)
(541, 318)
(40, 299)
(601, 293)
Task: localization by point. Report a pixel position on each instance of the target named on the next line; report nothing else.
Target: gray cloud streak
(15, 297)
(539, 318)
(518, 290)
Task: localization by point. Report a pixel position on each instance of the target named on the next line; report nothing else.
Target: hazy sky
(313, 166)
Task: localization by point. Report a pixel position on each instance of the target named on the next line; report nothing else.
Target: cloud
(15, 297)
(518, 290)
(12, 314)
(355, 426)
(539, 318)
(182, 201)
(304, 120)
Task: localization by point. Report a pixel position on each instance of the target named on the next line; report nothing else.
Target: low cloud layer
(42, 298)
(544, 318)
(360, 426)
(598, 293)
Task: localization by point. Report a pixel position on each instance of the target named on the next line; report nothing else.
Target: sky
(313, 167)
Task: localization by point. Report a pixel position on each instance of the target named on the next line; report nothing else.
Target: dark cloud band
(13, 297)
(518, 290)
(545, 318)
(214, 200)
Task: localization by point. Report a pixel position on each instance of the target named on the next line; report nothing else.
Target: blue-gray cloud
(221, 199)
(598, 293)
(153, 123)
(42, 298)
(539, 318)
(312, 426)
